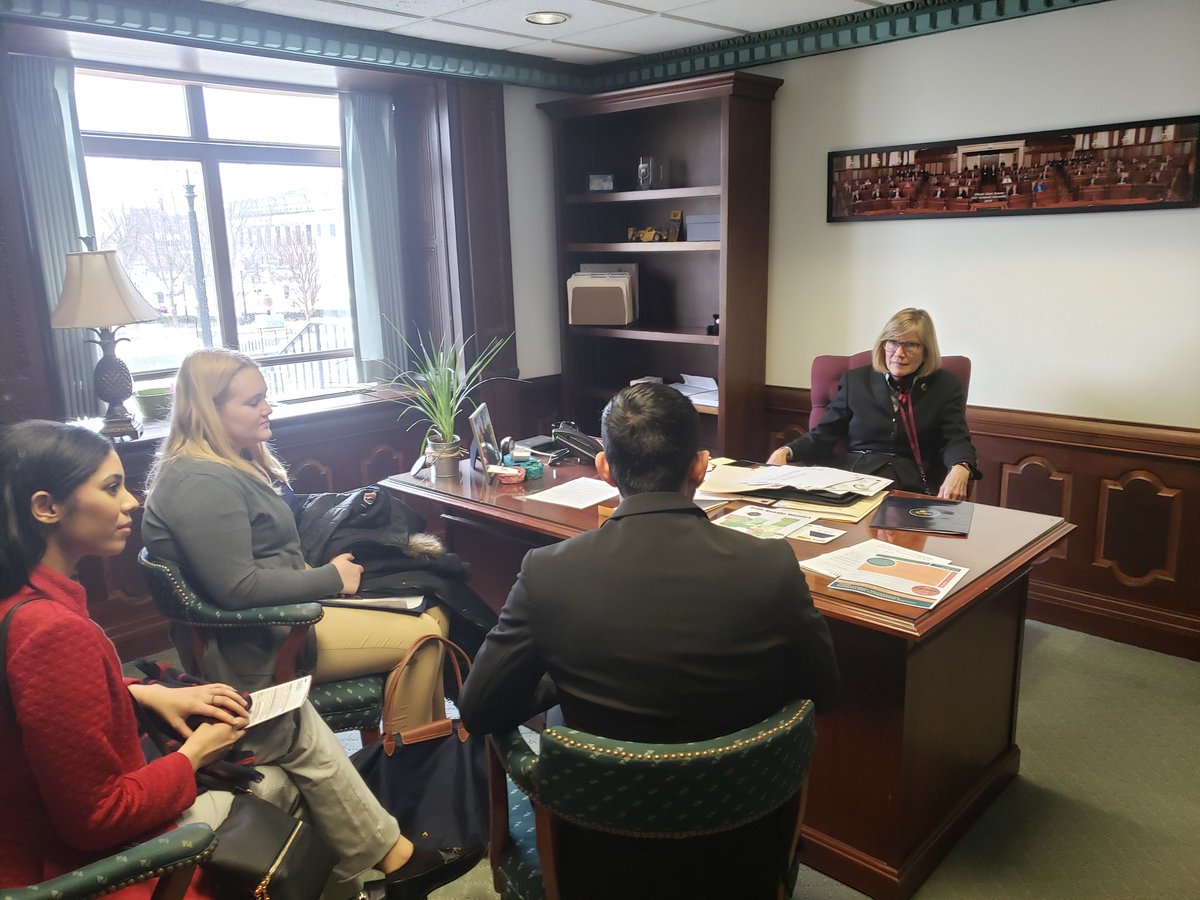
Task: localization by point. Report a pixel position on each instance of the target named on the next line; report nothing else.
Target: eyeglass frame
(909, 347)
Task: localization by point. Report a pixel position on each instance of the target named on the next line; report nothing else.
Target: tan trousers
(316, 770)
(353, 642)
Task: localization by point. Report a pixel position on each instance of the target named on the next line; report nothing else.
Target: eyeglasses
(906, 346)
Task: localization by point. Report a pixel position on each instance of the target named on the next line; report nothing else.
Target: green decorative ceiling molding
(215, 26)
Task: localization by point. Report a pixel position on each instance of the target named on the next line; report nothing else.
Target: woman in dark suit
(902, 417)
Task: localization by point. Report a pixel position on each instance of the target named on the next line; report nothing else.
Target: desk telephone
(579, 444)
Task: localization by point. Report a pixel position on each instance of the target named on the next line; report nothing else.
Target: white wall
(529, 145)
(1093, 314)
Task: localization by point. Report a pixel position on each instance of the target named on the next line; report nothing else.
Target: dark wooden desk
(924, 736)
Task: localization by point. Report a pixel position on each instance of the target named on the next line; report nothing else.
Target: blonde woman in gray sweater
(216, 506)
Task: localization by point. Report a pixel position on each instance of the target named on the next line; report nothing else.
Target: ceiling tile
(461, 34)
(652, 35)
(509, 15)
(571, 53)
(421, 8)
(338, 13)
(762, 15)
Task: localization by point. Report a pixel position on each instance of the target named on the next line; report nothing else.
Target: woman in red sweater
(76, 786)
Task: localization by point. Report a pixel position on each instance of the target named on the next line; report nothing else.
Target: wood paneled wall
(1130, 572)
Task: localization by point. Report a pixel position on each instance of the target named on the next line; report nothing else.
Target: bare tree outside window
(295, 255)
(157, 240)
(247, 220)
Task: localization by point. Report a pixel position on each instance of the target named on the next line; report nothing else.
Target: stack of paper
(855, 512)
(888, 572)
(701, 390)
(838, 562)
(818, 478)
(743, 479)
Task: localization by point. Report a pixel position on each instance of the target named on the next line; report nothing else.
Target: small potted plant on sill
(436, 390)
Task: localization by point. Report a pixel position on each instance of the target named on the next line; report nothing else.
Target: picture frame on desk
(1142, 165)
(486, 449)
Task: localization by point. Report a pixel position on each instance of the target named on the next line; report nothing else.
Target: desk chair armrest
(179, 603)
(175, 853)
(518, 759)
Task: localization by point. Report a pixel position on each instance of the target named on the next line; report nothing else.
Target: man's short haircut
(651, 435)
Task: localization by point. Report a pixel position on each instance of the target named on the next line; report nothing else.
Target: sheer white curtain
(369, 158)
(53, 188)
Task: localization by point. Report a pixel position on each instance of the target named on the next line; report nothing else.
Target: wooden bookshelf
(711, 136)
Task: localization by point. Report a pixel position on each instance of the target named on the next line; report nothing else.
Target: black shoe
(451, 864)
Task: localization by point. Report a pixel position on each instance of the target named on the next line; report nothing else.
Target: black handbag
(265, 853)
(434, 780)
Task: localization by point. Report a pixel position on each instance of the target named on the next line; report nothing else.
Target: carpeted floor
(1107, 804)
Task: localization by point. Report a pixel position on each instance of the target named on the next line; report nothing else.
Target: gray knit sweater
(237, 539)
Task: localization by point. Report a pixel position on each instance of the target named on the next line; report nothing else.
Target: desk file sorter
(600, 298)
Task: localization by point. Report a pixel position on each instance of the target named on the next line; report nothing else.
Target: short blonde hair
(196, 430)
(909, 320)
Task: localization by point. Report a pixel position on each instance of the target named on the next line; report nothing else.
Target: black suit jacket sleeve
(955, 437)
(816, 671)
(508, 682)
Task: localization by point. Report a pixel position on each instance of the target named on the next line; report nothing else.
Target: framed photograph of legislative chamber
(1098, 168)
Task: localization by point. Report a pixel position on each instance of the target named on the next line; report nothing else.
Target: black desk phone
(580, 444)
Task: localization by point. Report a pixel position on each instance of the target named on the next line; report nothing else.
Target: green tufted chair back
(646, 790)
(355, 703)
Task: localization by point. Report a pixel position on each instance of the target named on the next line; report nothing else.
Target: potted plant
(436, 389)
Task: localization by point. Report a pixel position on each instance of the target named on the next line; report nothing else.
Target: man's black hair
(651, 434)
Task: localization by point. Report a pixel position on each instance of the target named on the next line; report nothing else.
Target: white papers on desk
(818, 478)
(740, 479)
(838, 562)
(729, 480)
(275, 701)
(709, 502)
(578, 494)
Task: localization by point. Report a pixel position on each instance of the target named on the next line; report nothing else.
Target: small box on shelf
(702, 227)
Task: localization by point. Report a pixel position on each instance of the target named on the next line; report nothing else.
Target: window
(210, 194)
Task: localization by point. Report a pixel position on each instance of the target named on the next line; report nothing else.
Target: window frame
(209, 154)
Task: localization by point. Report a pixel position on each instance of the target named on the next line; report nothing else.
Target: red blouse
(75, 786)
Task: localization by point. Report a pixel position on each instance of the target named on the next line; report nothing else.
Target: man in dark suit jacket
(659, 626)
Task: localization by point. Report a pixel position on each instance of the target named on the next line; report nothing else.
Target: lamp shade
(97, 293)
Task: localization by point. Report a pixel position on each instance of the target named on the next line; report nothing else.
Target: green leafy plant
(439, 384)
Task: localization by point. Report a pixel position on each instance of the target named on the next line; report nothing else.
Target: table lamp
(98, 295)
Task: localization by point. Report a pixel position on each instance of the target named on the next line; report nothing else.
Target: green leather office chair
(355, 703)
(641, 790)
(170, 857)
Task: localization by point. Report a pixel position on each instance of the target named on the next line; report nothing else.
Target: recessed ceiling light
(546, 18)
